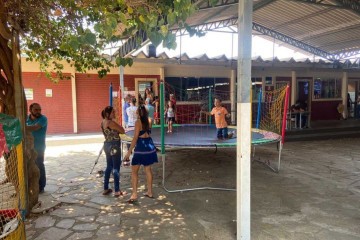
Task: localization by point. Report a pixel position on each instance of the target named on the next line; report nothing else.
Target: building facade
(74, 105)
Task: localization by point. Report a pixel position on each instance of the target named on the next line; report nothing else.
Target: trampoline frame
(163, 159)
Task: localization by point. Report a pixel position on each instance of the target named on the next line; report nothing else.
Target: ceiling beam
(134, 42)
(345, 55)
(266, 31)
(291, 41)
(353, 5)
(261, 4)
(140, 38)
(203, 5)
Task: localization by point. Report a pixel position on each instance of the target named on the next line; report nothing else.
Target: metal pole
(209, 108)
(162, 128)
(121, 98)
(259, 109)
(110, 95)
(162, 120)
(244, 119)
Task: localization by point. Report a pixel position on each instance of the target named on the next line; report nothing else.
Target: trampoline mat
(202, 135)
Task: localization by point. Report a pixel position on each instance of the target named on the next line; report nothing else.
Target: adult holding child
(111, 131)
(144, 153)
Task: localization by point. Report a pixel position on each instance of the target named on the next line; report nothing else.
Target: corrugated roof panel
(324, 25)
(329, 28)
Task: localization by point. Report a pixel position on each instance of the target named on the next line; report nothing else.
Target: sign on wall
(29, 93)
(48, 92)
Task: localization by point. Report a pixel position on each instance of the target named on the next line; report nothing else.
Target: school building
(74, 105)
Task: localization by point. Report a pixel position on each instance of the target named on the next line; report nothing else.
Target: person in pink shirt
(220, 114)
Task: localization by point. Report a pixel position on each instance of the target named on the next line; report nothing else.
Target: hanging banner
(12, 130)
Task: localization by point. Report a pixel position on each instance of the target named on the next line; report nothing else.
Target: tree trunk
(13, 103)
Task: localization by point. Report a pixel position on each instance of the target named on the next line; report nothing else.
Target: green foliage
(77, 32)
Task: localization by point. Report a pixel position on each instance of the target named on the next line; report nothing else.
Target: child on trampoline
(170, 114)
(220, 114)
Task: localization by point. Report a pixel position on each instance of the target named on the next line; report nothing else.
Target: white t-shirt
(170, 112)
(132, 116)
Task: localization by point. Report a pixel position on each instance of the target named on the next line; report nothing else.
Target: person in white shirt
(170, 115)
(131, 112)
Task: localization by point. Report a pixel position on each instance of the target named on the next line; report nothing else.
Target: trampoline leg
(267, 162)
(188, 189)
(163, 162)
(280, 149)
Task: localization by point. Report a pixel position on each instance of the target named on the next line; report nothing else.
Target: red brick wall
(58, 108)
(93, 95)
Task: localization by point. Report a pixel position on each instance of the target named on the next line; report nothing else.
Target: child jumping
(220, 114)
(170, 115)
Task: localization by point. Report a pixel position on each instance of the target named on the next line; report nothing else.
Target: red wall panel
(321, 110)
(93, 95)
(58, 108)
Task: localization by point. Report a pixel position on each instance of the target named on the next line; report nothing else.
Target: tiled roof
(256, 60)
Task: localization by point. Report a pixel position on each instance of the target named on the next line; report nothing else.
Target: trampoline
(203, 136)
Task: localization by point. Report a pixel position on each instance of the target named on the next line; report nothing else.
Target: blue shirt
(40, 134)
(150, 109)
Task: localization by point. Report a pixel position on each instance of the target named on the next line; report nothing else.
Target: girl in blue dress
(144, 153)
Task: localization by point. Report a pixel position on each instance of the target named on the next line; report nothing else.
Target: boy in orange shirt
(220, 114)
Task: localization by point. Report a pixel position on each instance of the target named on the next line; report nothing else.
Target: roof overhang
(326, 28)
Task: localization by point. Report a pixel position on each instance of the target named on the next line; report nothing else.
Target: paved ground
(316, 195)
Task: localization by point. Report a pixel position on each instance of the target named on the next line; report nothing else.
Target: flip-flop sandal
(132, 201)
(148, 196)
(107, 191)
(120, 193)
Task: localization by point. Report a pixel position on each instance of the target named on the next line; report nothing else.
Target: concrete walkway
(316, 195)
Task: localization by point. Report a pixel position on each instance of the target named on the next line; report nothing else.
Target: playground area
(314, 196)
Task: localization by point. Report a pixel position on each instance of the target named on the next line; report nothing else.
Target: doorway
(303, 92)
(353, 93)
(143, 83)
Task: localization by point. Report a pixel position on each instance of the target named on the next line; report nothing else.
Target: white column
(293, 88)
(243, 147)
(162, 76)
(74, 100)
(233, 96)
(122, 90)
(344, 91)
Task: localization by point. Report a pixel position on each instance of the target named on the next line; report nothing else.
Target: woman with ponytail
(111, 131)
(144, 153)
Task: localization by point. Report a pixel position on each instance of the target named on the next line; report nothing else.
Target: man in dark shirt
(300, 106)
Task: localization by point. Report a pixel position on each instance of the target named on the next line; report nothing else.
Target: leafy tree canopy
(77, 31)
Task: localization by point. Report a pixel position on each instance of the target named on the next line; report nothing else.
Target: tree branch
(4, 30)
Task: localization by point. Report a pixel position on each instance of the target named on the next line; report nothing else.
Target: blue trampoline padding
(202, 135)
